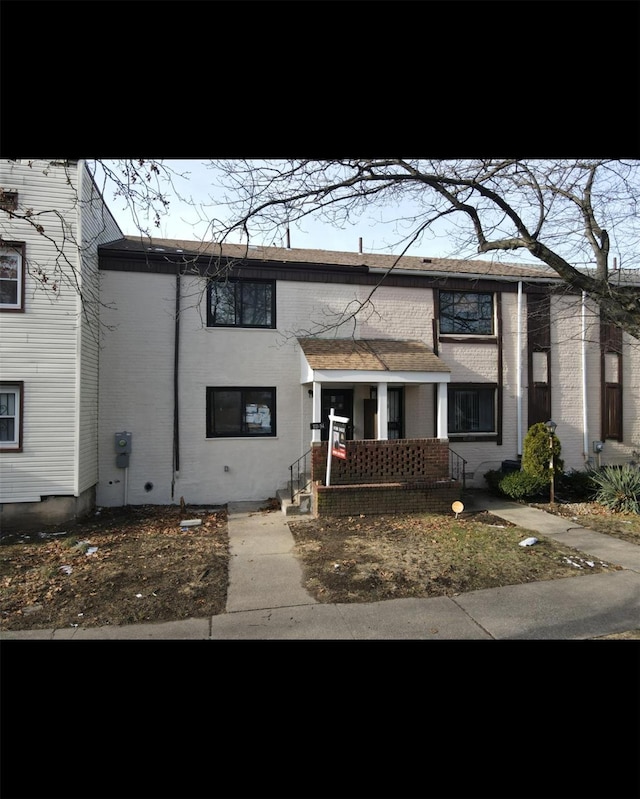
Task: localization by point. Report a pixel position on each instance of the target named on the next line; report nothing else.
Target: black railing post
(296, 465)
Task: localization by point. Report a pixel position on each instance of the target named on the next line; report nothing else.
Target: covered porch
(367, 380)
(373, 382)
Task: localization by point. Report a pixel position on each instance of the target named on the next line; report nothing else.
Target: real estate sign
(337, 441)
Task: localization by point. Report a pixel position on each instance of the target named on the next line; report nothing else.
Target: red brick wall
(371, 500)
(378, 477)
(406, 460)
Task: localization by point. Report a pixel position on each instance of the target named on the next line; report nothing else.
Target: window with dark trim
(471, 410)
(466, 313)
(241, 303)
(11, 416)
(12, 276)
(241, 412)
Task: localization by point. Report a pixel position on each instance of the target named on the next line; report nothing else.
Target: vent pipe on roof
(615, 264)
(288, 240)
(360, 244)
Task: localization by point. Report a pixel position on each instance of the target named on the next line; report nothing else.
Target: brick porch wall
(405, 460)
(381, 477)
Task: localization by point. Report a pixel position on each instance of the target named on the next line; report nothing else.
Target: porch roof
(401, 360)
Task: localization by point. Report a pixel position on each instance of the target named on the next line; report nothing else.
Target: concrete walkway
(266, 598)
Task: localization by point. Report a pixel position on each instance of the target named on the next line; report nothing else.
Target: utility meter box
(122, 443)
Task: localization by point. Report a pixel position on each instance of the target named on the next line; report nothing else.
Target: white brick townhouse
(217, 362)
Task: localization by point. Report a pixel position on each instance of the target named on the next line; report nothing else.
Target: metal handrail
(456, 467)
(300, 480)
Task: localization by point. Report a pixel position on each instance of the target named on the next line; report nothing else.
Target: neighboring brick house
(220, 398)
(49, 339)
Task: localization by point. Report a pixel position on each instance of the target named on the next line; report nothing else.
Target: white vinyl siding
(47, 346)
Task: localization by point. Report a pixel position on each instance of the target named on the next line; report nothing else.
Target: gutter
(79, 317)
(519, 371)
(176, 428)
(466, 275)
(585, 421)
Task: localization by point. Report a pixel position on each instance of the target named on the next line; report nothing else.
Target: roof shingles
(371, 355)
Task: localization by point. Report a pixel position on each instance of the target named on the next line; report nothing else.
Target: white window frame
(12, 252)
(17, 389)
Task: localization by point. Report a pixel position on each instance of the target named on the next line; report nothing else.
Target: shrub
(577, 485)
(521, 485)
(493, 477)
(618, 488)
(536, 455)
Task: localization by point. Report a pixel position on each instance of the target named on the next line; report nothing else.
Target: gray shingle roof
(275, 255)
(410, 263)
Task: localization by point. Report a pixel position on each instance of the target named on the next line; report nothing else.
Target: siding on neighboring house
(97, 227)
(50, 346)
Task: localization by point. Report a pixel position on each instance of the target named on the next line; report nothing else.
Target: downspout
(519, 371)
(585, 422)
(79, 387)
(176, 429)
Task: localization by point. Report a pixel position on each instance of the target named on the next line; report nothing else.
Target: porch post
(382, 432)
(317, 411)
(441, 411)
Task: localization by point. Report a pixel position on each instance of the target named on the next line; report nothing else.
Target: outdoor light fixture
(311, 392)
(551, 427)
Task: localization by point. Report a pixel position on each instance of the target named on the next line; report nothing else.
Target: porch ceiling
(341, 356)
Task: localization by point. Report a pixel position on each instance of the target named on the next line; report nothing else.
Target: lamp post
(551, 427)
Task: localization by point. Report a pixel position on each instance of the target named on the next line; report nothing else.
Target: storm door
(341, 400)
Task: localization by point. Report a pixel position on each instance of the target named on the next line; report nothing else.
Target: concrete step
(300, 506)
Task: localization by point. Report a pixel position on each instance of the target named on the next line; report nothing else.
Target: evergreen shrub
(536, 453)
(522, 485)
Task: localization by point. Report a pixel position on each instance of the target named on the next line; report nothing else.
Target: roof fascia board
(375, 376)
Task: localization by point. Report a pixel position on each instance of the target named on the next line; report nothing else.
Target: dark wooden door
(341, 400)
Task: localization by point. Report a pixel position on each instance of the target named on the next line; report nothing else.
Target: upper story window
(11, 416)
(12, 276)
(241, 303)
(467, 313)
(8, 200)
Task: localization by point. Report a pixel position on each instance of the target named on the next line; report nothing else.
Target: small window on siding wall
(12, 276)
(11, 416)
(241, 412)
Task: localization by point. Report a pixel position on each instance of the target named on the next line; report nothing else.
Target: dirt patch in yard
(140, 564)
(120, 566)
(365, 559)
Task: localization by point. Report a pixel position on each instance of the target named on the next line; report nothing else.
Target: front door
(341, 400)
(395, 414)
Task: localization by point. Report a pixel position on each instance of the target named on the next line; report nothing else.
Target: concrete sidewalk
(266, 598)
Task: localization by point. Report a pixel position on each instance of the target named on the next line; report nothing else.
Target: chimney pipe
(288, 240)
(360, 244)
